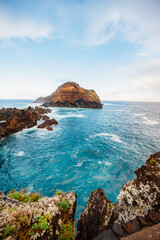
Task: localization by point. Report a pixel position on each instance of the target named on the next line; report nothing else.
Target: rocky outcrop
(36, 220)
(138, 206)
(70, 94)
(13, 120)
(95, 217)
(48, 123)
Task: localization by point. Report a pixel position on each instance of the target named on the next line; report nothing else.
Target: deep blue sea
(88, 149)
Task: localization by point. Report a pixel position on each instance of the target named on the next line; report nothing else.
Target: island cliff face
(70, 94)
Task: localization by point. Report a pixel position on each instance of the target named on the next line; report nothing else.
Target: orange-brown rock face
(70, 94)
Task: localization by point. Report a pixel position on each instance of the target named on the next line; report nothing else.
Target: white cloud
(134, 21)
(147, 76)
(12, 26)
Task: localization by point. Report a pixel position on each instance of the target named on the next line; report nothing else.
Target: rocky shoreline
(138, 208)
(13, 120)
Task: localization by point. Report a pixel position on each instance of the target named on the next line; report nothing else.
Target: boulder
(48, 123)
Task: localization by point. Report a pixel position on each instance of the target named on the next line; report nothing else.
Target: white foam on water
(79, 164)
(105, 163)
(113, 137)
(49, 177)
(30, 188)
(139, 114)
(19, 154)
(149, 122)
(107, 104)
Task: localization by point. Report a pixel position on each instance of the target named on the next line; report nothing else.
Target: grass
(41, 223)
(66, 232)
(12, 209)
(63, 205)
(9, 230)
(153, 161)
(24, 196)
(58, 193)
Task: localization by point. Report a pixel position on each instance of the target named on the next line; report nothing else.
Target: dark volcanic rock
(138, 206)
(48, 123)
(13, 120)
(71, 95)
(95, 217)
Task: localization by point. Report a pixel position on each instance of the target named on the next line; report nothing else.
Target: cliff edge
(70, 94)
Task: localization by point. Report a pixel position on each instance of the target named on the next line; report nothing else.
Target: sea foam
(113, 137)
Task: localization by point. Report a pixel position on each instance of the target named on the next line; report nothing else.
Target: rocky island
(70, 94)
(136, 215)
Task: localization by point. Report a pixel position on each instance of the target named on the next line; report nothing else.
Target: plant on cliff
(58, 193)
(66, 232)
(24, 196)
(41, 223)
(153, 161)
(1, 208)
(63, 205)
(9, 230)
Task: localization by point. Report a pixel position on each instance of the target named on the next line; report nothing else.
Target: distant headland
(70, 94)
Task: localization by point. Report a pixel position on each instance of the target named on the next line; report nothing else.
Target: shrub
(66, 232)
(63, 205)
(1, 208)
(24, 196)
(41, 223)
(153, 161)
(9, 230)
(58, 192)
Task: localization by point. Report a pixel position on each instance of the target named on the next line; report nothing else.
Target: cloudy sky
(112, 47)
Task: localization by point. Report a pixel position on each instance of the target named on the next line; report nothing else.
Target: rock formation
(48, 123)
(43, 219)
(13, 120)
(138, 206)
(70, 94)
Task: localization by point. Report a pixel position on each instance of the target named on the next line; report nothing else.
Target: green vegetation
(24, 196)
(41, 223)
(109, 205)
(63, 205)
(153, 161)
(66, 232)
(58, 192)
(12, 209)
(1, 208)
(9, 230)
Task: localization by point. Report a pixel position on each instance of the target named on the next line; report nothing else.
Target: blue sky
(112, 47)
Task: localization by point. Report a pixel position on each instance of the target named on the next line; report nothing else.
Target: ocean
(88, 149)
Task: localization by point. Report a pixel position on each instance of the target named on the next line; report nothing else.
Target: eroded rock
(22, 216)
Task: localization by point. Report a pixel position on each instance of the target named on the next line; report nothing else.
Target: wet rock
(48, 123)
(71, 95)
(96, 216)
(13, 120)
(45, 117)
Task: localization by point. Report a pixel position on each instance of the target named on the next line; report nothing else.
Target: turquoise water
(88, 149)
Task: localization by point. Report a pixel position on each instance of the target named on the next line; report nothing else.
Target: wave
(19, 154)
(107, 104)
(105, 163)
(139, 114)
(149, 122)
(113, 137)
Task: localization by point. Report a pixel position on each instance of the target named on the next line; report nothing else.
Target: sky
(112, 47)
